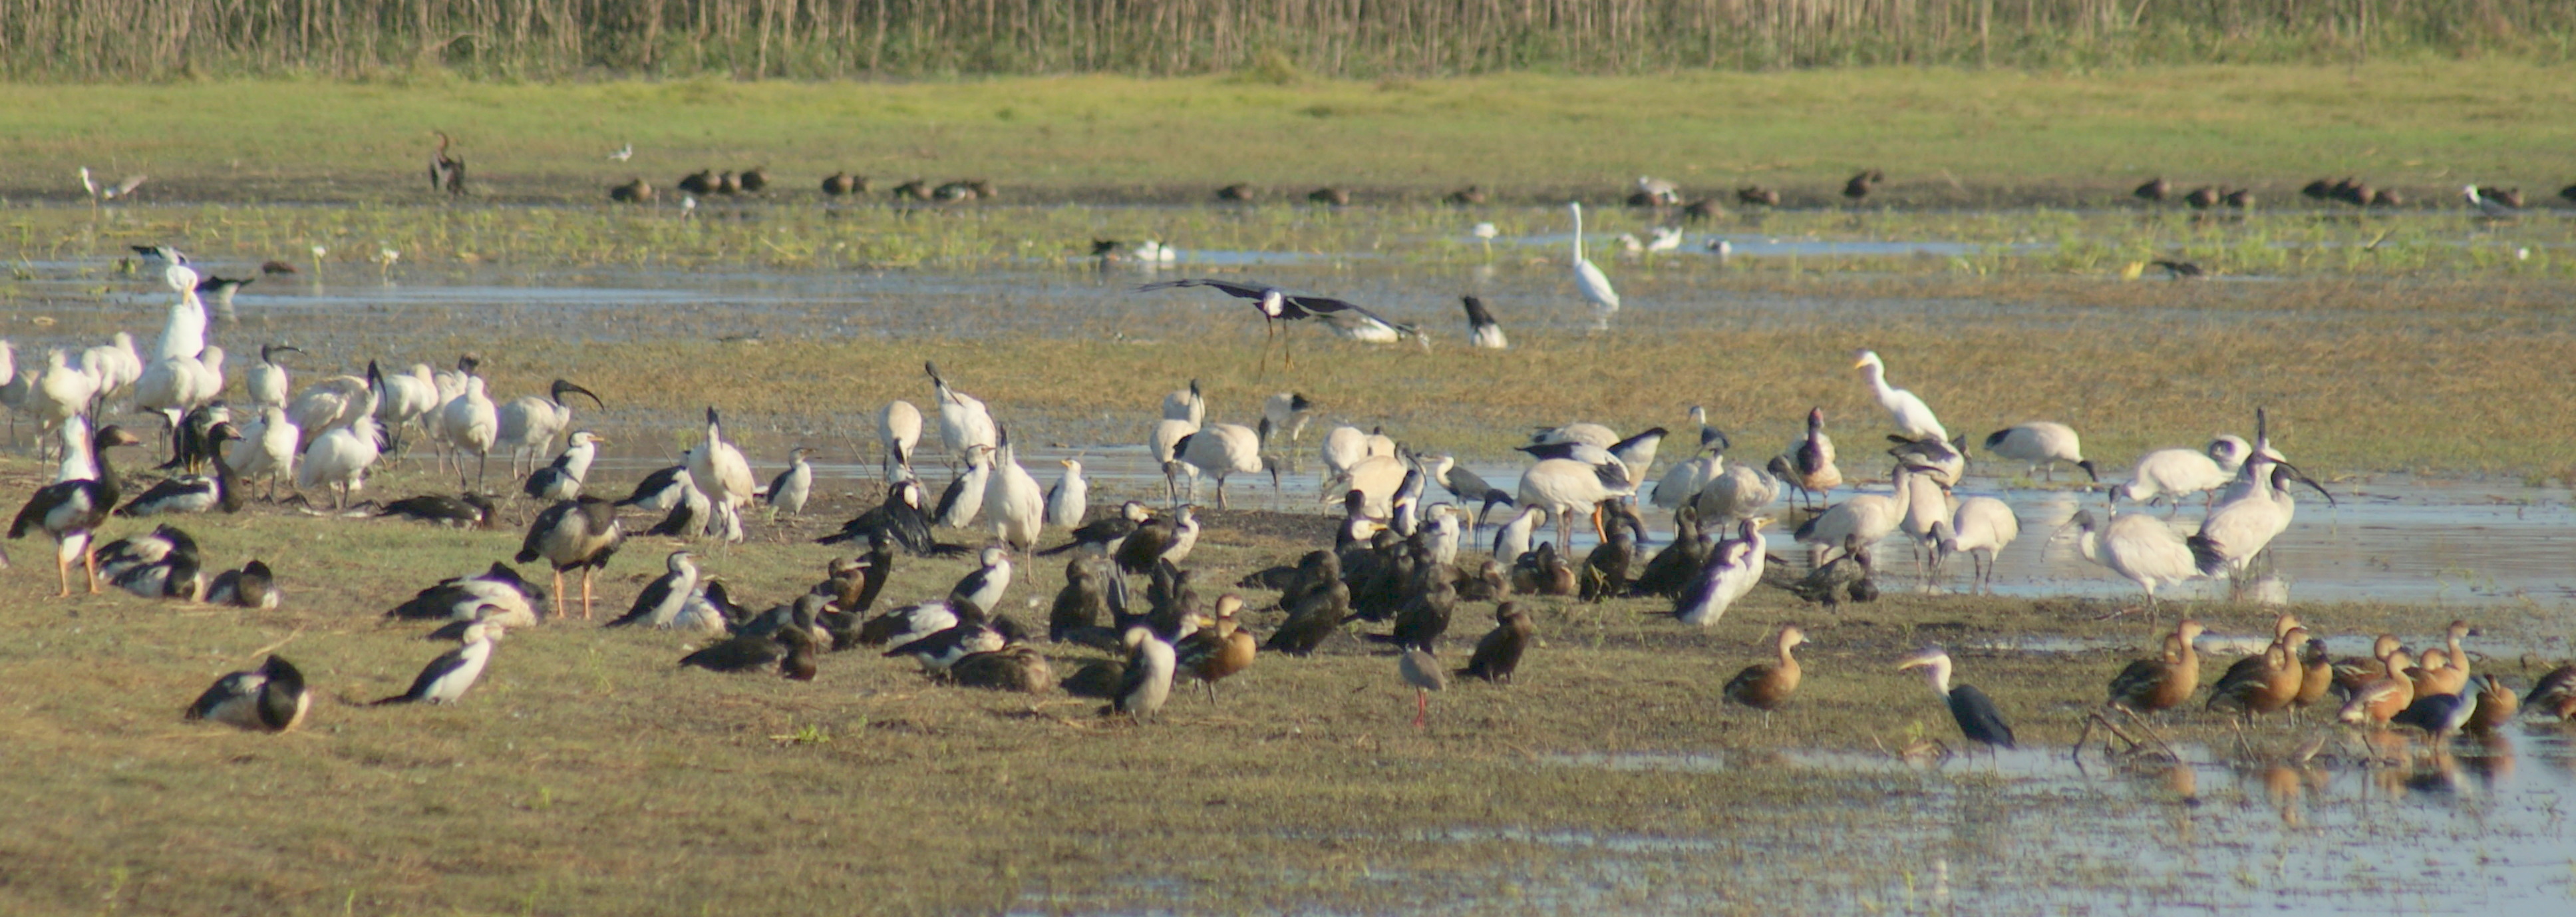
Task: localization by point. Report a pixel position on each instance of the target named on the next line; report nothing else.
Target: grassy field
(587, 775)
(1944, 136)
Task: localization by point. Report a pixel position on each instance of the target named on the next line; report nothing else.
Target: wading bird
(1981, 528)
(1809, 463)
(2163, 683)
(1422, 670)
(446, 173)
(1483, 332)
(2140, 548)
(1276, 305)
(1588, 280)
(964, 422)
(1913, 418)
(2169, 474)
(1976, 715)
(2041, 444)
(527, 425)
(898, 431)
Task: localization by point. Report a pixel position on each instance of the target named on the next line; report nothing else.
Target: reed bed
(1264, 40)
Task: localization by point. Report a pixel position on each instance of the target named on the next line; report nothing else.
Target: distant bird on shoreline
(446, 173)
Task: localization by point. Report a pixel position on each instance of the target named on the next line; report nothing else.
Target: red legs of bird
(1421, 706)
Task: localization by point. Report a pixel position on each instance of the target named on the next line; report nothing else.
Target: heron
(1976, 715)
(1588, 279)
(1913, 418)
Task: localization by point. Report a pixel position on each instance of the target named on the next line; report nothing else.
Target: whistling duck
(2150, 685)
(2555, 693)
(1223, 649)
(1767, 687)
(2154, 190)
(2266, 683)
(1860, 184)
(2378, 700)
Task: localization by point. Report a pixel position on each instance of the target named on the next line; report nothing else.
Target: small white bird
(623, 153)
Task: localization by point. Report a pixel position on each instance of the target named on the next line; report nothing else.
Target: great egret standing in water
(1589, 280)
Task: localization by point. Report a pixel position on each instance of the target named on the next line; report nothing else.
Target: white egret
(1588, 279)
(1913, 418)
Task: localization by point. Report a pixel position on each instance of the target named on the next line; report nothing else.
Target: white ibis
(527, 425)
(268, 380)
(1186, 404)
(267, 448)
(964, 421)
(1981, 528)
(2140, 548)
(1734, 493)
(1287, 413)
(2170, 474)
(898, 431)
(1221, 450)
(472, 423)
(721, 471)
(340, 456)
(2042, 445)
(1568, 488)
(1018, 503)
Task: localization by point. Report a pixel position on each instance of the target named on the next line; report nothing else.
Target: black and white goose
(790, 489)
(578, 534)
(468, 511)
(661, 490)
(447, 677)
(70, 510)
(271, 698)
(937, 651)
(983, 587)
(563, 479)
(663, 598)
(710, 610)
(193, 493)
(899, 626)
(177, 575)
(499, 593)
(252, 586)
(900, 515)
(117, 557)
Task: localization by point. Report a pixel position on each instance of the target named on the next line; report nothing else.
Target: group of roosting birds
(1399, 557)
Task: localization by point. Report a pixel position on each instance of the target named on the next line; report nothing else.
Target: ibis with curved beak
(528, 425)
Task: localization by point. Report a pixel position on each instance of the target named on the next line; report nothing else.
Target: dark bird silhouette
(1757, 196)
(446, 173)
(1498, 653)
(1237, 193)
(2178, 270)
(2154, 190)
(1331, 197)
(1862, 183)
